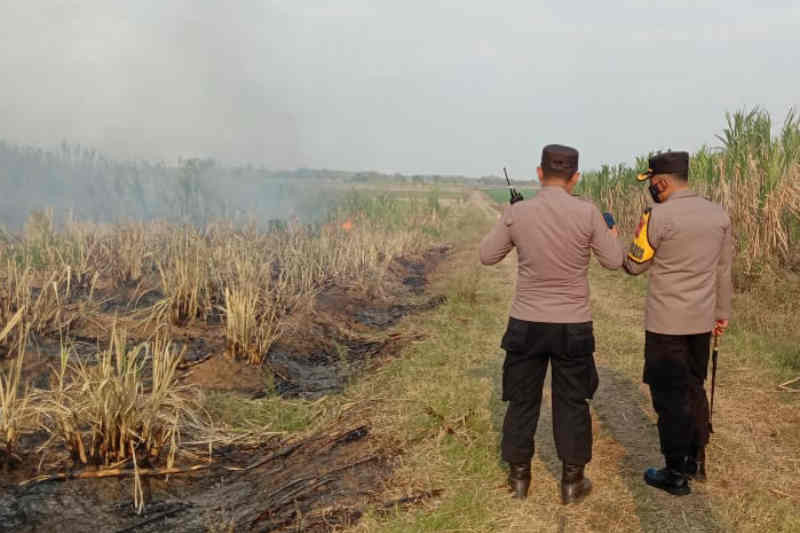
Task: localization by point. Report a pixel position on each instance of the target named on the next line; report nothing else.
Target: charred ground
(318, 480)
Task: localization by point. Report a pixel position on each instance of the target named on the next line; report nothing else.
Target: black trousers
(675, 367)
(570, 349)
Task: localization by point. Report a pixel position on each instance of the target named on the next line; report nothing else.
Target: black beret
(559, 159)
(667, 163)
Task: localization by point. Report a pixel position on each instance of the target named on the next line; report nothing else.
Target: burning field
(161, 376)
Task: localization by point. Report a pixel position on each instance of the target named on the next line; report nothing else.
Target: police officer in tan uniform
(555, 235)
(685, 242)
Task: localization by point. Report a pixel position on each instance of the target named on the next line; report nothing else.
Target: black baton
(714, 355)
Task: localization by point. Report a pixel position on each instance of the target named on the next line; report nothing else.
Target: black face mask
(655, 192)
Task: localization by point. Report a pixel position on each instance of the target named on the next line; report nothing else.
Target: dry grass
(130, 250)
(255, 278)
(15, 412)
(185, 274)
(764, 224)
(48, 275)
(126, 406)
(113, 411)
(43, 296)
(626, 204)
(252, 318)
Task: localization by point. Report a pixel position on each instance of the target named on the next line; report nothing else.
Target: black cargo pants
(569, 348)
(675, 367)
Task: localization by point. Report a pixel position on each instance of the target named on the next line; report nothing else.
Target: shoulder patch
(641, 250)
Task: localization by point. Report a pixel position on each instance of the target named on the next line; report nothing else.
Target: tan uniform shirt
(554, 233)
(690, 274)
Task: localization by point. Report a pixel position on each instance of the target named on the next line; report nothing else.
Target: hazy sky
(410, 86)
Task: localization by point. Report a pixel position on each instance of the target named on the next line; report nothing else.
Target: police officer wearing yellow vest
(685, 242)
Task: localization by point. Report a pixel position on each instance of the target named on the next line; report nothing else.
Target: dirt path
(480, 202)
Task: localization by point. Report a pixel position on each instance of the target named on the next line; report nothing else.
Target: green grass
(271, 413)
(425, 193)
(449, 374)
(501, 195)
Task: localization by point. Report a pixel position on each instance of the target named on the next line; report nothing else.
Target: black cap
(667, 163)
(559, 160)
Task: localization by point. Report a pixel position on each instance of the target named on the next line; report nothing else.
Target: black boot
(519, 480)
(696, 464)
(574, 487)
(672, 478)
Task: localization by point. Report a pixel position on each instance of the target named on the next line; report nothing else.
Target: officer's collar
(552, 188)
(683, 193)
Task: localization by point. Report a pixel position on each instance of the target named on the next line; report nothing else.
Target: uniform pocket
(580, 339)
(575, 377)
(516, 336)
(523, 377)
(580, 354)
(515, 344)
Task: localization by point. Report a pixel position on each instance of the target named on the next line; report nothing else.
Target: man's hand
(719, 327)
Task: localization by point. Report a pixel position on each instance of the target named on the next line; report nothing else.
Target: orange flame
(347, 225)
